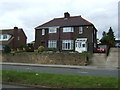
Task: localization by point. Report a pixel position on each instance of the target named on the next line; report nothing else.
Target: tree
(104, 39)
(7, 49)
(108, 38)
(111, 37)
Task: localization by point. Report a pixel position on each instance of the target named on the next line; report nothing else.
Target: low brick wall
(63, 59)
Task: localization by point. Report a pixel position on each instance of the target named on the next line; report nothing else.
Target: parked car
(117, 45)
(101, 50)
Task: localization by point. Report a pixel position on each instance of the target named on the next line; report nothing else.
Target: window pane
(83, 45)
(52, 43)
(52, 30)
(4, 36)
(43, 31)
(67, 44)
(68, 29)
(80, 30)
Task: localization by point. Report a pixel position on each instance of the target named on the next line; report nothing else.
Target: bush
(7, 49)
(41, 48)
(29, 48)
(86, 54)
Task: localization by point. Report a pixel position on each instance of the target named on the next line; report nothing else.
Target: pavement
(59, 66)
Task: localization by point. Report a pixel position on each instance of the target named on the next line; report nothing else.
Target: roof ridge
(69, 17)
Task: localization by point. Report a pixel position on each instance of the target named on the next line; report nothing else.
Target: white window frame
(68, 29)
(67, 44)
(52, 29)
(43, 31)
(5, 36)
(18, 38)
(52, 43)
(81, 30)
(0, 36)
(95, 45)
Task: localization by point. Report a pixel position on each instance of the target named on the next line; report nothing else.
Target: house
(69, 33)
(14, 38)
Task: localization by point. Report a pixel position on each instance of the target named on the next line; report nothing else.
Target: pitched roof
(70, 21)
(10, 31)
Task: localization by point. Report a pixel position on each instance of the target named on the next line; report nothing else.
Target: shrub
(7, 49)
(41, 48)
(29, 48)
(86, 54)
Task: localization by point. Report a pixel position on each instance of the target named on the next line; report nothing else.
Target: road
(58, 70)
(15, 87)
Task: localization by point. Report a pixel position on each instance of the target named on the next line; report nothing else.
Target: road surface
(58, 70)
(15, 87)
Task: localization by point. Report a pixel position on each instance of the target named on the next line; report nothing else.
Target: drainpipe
(59, 39)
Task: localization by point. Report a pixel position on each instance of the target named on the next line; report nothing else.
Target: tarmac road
(58, 70)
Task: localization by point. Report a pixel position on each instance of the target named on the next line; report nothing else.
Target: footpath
(59, 66)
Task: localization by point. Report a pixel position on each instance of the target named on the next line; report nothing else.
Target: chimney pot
(15, 27)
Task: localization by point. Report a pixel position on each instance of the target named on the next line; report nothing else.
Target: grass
(59, 80)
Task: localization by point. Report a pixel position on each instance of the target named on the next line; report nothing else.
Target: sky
(28, 14)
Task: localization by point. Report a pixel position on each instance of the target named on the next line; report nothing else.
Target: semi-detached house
(69, 33)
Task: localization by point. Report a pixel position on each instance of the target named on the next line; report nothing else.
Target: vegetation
(108, 38)
(29, 48)
(7, 49)
(59, 80)
(41, 48)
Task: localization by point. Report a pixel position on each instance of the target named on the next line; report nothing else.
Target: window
(43, 31)
(52, 44)
(83, 45)
(67, 44)
(94, 45)
(68, 29)
(80, 30)
(18, 38)
(52, 30)
(0, 36)
(79, 44)
(5, 36)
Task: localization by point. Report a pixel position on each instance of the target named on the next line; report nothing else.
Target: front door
(81, 45)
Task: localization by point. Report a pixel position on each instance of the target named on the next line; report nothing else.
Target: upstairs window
(5, 36)
(68, 29)
(52, 30)
(43, 31)
(18, 38)
(80, 30)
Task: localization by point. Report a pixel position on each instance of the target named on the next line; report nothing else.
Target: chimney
(15, 27)
(66, 15)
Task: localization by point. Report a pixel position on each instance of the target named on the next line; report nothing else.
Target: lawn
(59, 80)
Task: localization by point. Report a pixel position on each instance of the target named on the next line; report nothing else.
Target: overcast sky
(28, 14)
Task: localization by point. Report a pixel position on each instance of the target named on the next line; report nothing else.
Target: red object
(100, 50)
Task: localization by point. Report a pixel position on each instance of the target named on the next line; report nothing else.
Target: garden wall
(63, 59)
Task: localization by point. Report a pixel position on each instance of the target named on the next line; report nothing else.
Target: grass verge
(59, 80)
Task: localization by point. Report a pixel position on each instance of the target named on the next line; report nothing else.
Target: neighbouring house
(69, 33)
(14, 38)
